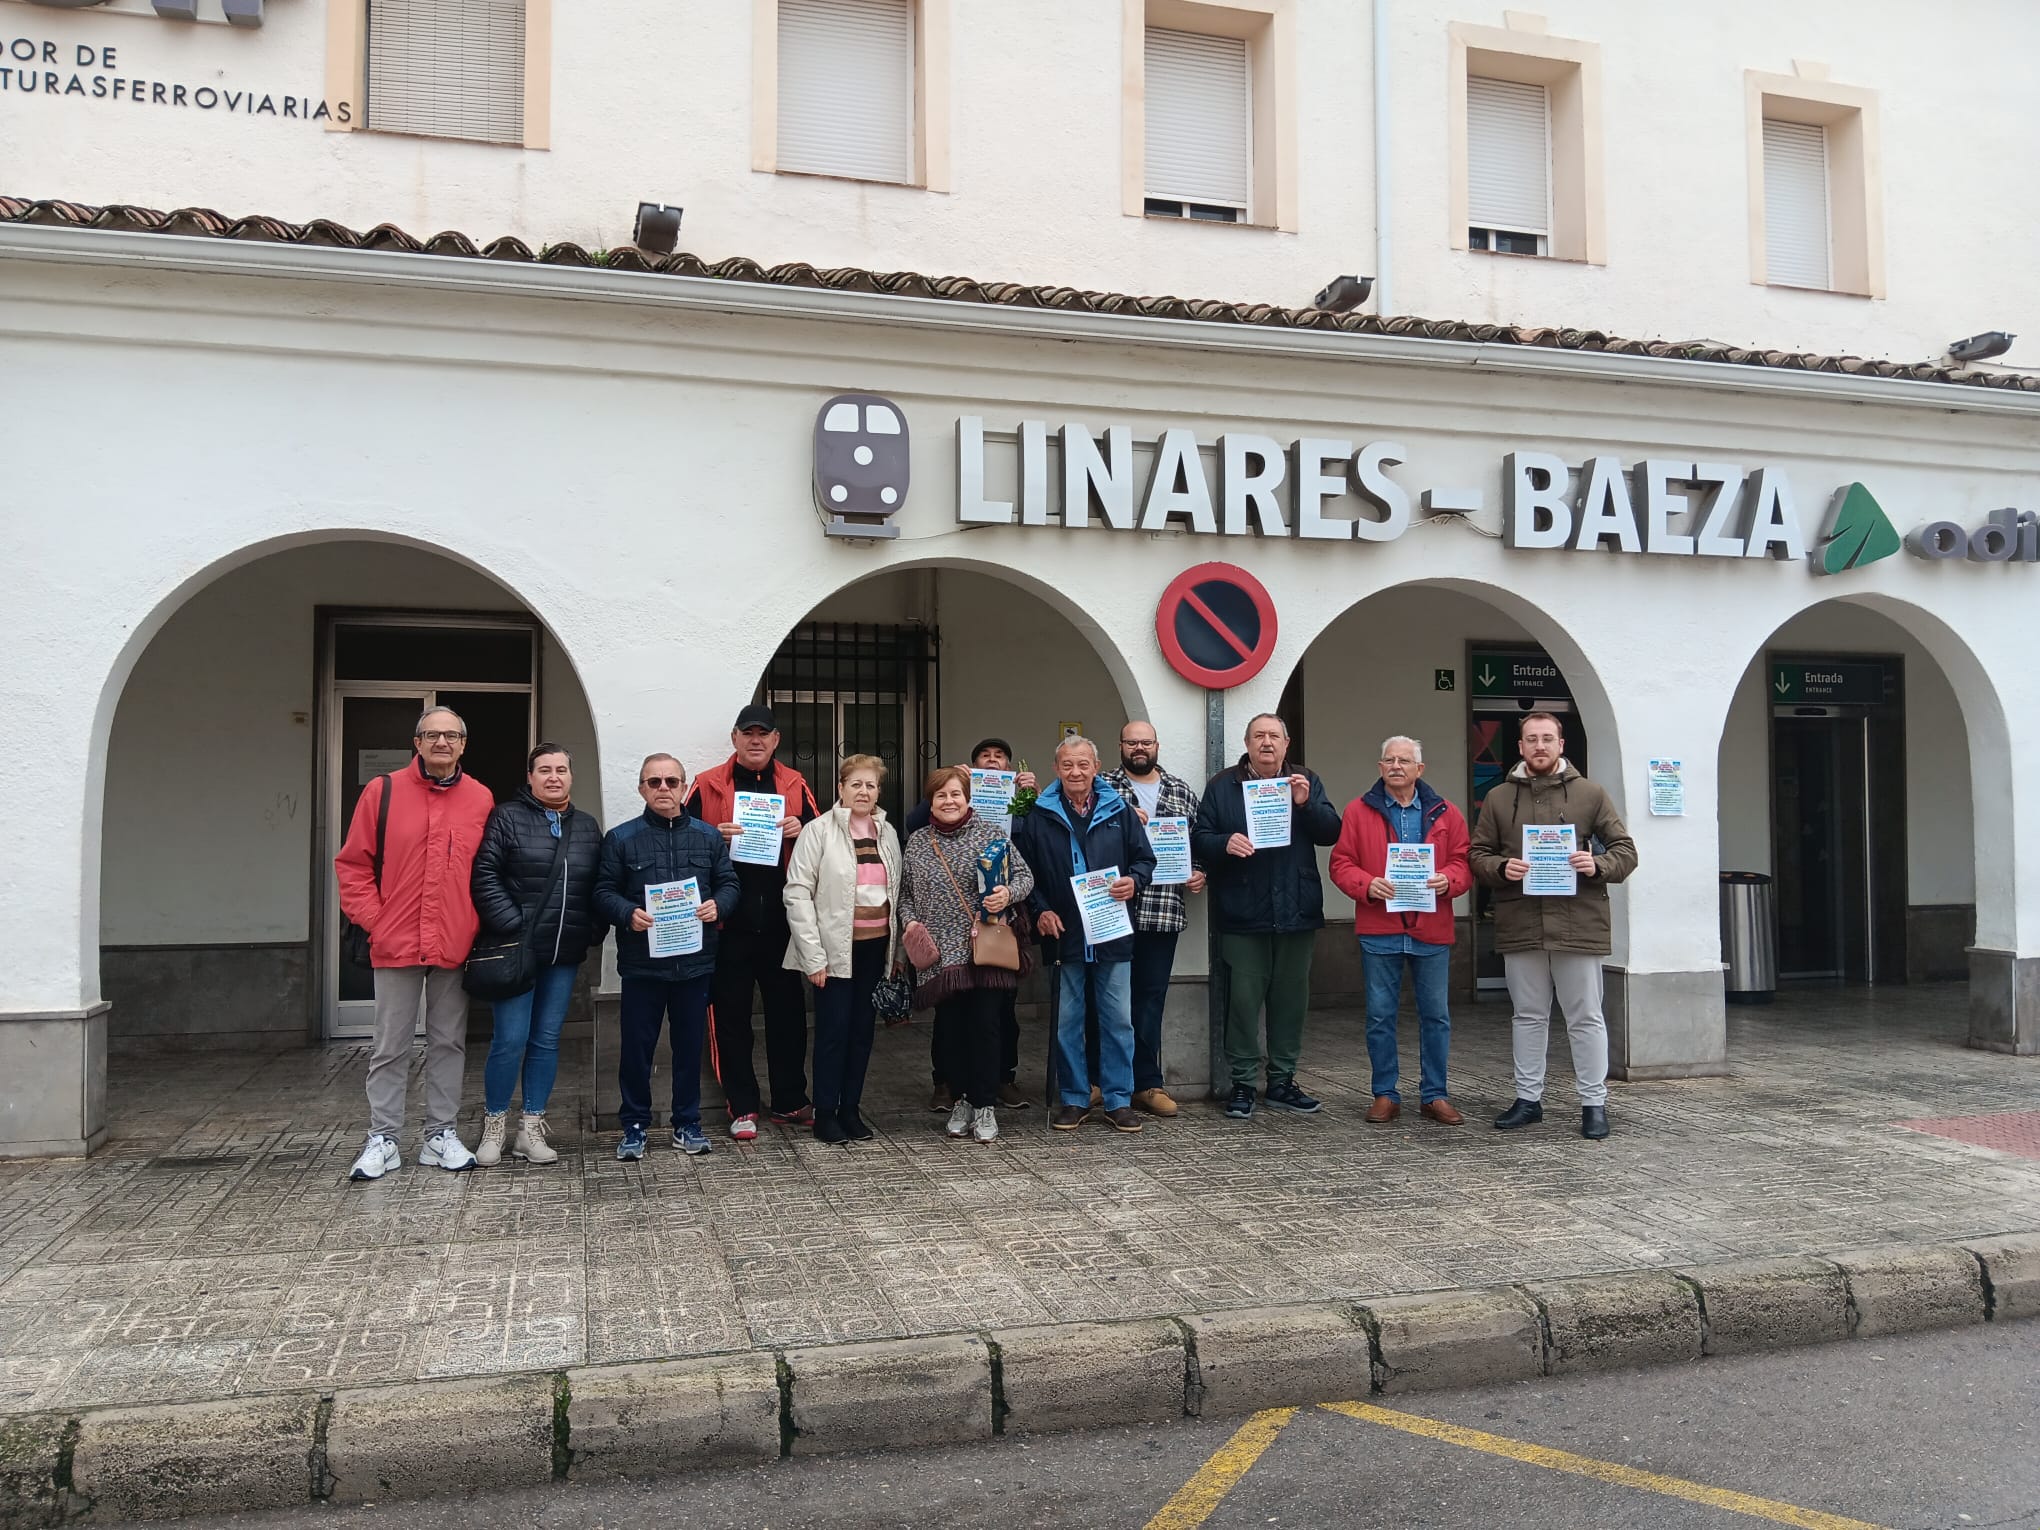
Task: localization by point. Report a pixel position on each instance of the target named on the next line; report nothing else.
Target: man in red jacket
(1402, 810)
(421, 923)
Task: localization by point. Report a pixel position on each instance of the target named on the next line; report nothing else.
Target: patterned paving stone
(2014, 1131)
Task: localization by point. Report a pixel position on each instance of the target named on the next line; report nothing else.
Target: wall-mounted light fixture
(658, 228)
(1343, 294)
(1992, 342)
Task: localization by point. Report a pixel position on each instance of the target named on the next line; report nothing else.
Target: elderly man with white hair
(1401, 810)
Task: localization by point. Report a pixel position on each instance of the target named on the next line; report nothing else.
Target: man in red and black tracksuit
(752, 951)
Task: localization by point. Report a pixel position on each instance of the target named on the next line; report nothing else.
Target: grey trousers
(1535, 977)
(398, 993)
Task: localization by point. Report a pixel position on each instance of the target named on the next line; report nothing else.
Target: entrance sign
(1216, 625)
(1667, 789)
(1516, 676)
(1829, 683)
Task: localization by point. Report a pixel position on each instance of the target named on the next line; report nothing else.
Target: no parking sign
(1216, 625)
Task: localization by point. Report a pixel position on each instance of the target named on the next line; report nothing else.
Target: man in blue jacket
(1269, 905)
(1080, 825)
(663, 844)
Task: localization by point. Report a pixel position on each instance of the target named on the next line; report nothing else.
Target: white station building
(286, 462)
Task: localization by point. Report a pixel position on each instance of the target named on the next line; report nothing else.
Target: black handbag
(354, 945)
(504, 966)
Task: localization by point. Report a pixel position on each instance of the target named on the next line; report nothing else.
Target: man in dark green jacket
(1269, 905)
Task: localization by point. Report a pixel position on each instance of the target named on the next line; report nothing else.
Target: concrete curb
(433, 1439)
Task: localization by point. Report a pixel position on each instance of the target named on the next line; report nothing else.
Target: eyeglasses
(441, 735)
(1405, 764)
(674, 782)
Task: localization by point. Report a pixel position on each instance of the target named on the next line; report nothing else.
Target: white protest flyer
(1267, 812)
(1410, 868)
(675, 908)
(759, 840)
(1667, 789)
(1548, 848)
(991, 796)
(1105, 917)
(1170, 838)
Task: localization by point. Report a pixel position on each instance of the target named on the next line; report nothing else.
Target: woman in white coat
(842, 886)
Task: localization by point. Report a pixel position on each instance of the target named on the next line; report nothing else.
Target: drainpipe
(1382, 306)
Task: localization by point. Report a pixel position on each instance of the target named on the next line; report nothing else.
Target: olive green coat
(1579, 923)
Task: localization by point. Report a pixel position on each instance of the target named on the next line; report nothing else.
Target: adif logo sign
(2006, 536)
(1858, 532)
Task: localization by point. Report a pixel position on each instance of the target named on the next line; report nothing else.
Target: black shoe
(1241, 1105)
(854, 1127)
(828, 1128)
(1284, 1095)
(1522, 1113)
(1593, 1122)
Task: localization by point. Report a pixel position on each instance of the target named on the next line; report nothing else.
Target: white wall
(654, 102)
(1940, 838)
(209, 774)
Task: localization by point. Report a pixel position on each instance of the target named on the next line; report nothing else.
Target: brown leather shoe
(1442, 1112)
(1383, 1110)
(1067, 1118)
(1155, 1102)
(1123, 1119)
(941, 1101)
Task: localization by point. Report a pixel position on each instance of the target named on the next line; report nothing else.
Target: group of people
(950, 921)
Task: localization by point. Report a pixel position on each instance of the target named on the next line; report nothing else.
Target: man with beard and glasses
(1158, 913)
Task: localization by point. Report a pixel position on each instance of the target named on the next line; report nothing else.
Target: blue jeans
(527, 1041)
(1106, 990)
(1431, 973)
(642, 1011)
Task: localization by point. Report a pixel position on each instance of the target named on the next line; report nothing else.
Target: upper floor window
(1796, 250)
(1816, 202)
(448, 68)
(846, 88)
(1200, 126)
(1508, 166)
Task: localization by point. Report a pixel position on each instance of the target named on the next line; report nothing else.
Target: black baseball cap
(756, 717)
(991, 743)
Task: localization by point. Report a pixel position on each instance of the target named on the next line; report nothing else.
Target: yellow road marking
(1195, 1499)
(1600, 1471)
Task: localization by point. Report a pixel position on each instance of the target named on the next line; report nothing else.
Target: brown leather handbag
(992, 944)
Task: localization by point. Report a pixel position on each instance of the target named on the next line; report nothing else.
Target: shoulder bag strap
(969, 913)
(382, 824)
(557, 874)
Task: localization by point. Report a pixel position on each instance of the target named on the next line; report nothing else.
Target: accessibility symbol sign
(1216, 625)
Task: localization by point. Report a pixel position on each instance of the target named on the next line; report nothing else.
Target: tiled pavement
(215, 1247)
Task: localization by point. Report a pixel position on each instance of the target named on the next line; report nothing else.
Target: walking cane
(1050, 969)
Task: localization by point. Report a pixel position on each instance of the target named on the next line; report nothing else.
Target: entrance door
(1817, 770)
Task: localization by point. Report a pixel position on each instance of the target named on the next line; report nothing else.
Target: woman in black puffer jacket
(515, 892)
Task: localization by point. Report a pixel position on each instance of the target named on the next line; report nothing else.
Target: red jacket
(424, 915)
(714, 800)
(1361, 855)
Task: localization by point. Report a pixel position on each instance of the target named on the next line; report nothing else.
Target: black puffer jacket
(513, 869)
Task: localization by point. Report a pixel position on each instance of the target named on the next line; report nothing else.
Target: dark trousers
(1009, 1040)
(744, 960)
(644, 1006)
(967, 1038)
(1154, 959)
(843, 1025)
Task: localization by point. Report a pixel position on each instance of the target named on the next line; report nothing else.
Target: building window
(447, 68)
(846, 88)
(1508, 166)
(1796, 204)
(1200, 127)
(1523, 121)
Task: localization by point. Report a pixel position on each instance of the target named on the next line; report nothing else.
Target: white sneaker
(531, 1140)
(495, 1127)
(444, 1150)
(377, 1158)
(984, 1125)
(959, 1120)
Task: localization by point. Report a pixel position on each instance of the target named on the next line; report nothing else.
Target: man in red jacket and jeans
(1401, 809)
(421, 924)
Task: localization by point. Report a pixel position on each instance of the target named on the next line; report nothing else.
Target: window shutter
(1508, 156)
(1200, 129)
(1796, 204)
(447, 68)
(846, 88)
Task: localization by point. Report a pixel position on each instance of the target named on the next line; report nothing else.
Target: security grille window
(447, 68)
(1508, 167)
(1200, 127)
(1796, 204)
(846, 88)
(842, 688)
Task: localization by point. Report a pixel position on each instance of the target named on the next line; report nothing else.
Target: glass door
(372, 739)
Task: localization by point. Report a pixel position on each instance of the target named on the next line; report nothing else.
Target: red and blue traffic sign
(1216, 624)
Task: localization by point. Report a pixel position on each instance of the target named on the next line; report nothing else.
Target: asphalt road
(1930, 1430)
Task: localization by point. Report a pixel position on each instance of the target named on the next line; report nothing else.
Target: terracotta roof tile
(204, 223)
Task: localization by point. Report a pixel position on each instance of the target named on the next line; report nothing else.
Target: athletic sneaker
(1241, 1105)
(1284, 1095)
(745, 1128)
(691, 1140)
(444, 1150)
(377, 1158)
(984, 1125)
(959, 1120)
(632, 1146)
(803, 1115)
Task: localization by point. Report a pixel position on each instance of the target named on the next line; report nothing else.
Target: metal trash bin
(1749, 936)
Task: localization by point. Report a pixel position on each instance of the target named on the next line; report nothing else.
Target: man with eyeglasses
(1400, 809)
(404, 876)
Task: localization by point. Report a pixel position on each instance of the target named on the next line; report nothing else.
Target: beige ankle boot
(531, 1140)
